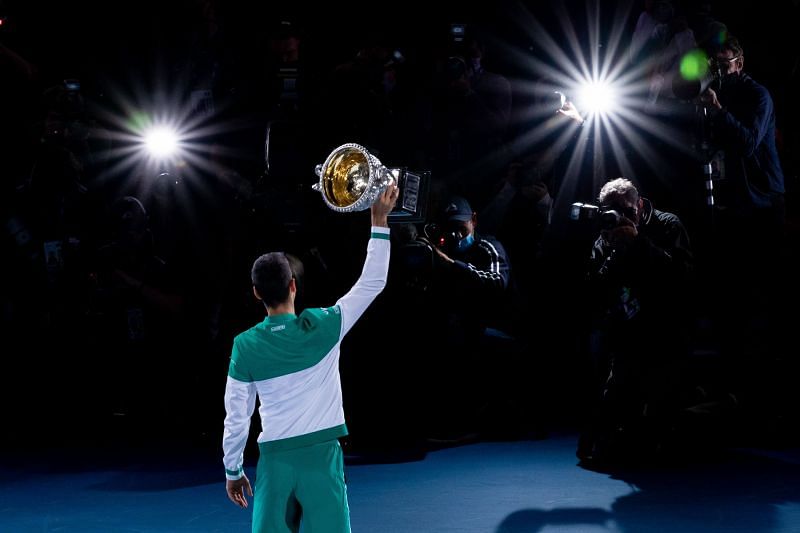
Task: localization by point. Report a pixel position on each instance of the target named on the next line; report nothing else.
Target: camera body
(604, 218)
(556, 100)
(690, 89)
(455, 69)
(441, 237)
(413, 261)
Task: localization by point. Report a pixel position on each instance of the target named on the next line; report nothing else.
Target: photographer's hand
(460, 86)
(623, 235)
(123, 280)
(570, 111)
(443, 256)
(709, 99)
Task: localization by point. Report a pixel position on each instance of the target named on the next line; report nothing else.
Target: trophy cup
(351, 179)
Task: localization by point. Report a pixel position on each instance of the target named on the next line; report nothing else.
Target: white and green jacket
(292, 364)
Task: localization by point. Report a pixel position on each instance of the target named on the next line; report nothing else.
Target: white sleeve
(240, 400)
(371, 282)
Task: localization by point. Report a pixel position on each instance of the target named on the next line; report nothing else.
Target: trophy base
(412, 200)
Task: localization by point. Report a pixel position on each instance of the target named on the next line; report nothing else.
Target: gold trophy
(351, 179)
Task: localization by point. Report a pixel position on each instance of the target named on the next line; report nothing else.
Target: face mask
(476, 64)
(389, 80)
(466, 242)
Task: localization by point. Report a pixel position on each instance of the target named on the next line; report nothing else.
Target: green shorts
(302, 483)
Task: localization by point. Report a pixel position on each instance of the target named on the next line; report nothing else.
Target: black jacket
(644, 290)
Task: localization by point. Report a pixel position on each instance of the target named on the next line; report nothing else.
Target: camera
(438, 236)
(455, 68)
(413, 260)
(65, 99)
(604, 217)
(557, 100)
(394, 60)
(447, 240)
(690, 89)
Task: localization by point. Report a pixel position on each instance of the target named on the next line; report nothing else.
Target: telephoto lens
(609, 218)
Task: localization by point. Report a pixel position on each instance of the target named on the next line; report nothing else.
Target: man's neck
(282, 309)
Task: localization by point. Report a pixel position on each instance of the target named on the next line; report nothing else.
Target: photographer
(137, 313)
(638, 272)
(470, 121)
(743, 126)
(749, 224)
(468, 294)
(468, 259)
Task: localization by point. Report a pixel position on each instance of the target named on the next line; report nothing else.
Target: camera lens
(455, 68)
(610, 218)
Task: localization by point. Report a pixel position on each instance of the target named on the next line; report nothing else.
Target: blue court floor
(487, 487)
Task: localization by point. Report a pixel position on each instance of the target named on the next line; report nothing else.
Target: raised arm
(376, 267)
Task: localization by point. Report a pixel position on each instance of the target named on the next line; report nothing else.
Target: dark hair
(271, 274)
(298, 273)
(730, 43)
(616, 189)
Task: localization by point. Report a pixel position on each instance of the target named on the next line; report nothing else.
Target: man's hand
(236, 489)
(623, 235)
(124, 280)
(709, 99)
(570, 111)
(460, 86)
(443, 256)
(383, 205)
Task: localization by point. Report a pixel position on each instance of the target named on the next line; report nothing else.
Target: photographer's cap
(457, 208)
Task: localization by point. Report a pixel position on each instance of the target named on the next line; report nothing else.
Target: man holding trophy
(291, 363)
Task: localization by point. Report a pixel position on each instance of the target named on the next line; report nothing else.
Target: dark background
(61, 378)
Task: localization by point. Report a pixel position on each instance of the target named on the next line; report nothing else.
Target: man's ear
(292, 286)
(255, 293)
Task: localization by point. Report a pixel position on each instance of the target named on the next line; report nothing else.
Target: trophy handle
(318, 185)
